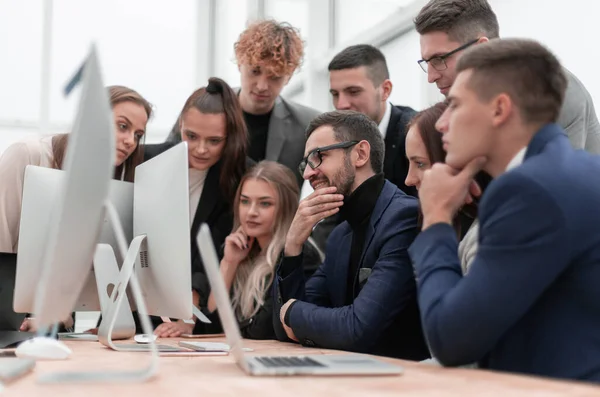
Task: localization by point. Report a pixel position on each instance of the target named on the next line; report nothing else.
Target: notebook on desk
(334, 364)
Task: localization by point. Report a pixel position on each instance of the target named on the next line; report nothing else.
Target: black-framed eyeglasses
(438, 62)
(314, 158)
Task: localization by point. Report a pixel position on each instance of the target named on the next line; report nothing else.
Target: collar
(547, 133)
(517, 160)
(279, 109)
(385, 121)
(359, 205)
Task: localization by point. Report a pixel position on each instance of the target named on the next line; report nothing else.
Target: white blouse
(197, 179)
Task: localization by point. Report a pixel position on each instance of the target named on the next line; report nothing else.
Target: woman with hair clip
(212, 124)
(424, 147)
(131, 113)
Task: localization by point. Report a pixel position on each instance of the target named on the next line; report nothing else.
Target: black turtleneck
(258, 134)
(357, 210)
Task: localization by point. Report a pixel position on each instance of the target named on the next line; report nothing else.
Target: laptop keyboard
(284, 362)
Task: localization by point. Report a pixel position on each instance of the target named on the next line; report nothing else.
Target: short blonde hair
(275, 46)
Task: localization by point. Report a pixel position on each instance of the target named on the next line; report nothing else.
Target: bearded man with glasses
(363, 296)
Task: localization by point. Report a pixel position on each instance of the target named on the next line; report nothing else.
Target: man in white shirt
(359, 80)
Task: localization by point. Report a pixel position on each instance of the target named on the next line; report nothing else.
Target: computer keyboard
(291, 361)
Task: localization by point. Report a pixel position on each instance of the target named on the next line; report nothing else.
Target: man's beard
(343, 180)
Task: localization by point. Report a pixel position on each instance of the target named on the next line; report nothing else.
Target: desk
(220, 376)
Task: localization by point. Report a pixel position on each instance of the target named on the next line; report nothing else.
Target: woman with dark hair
(212, 124)
(424, 148)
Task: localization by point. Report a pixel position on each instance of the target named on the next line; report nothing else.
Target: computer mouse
(144, 338)
(43, 348)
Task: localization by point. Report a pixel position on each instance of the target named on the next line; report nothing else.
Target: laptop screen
(221, 295)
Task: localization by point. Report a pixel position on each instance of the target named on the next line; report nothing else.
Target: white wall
(410, 87)
(231, 21)
(569, 29)
(144, 44)
(21, 54)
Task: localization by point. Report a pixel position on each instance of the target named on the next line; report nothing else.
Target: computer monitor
(40, 194)
(161, 213)
(161, 229)
(75, 224)
(76, 217)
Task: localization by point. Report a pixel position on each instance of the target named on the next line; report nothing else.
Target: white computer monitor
(161, 213)
(159, 253)
(156, 206)
(75, 225)
(40, 194)
(76, 218)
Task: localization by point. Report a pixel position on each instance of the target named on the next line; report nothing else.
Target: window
(231, 16)
(20, 68)
(147, 45)
(356, 16)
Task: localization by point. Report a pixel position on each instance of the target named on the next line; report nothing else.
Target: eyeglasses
(314, 158)
(438, 62)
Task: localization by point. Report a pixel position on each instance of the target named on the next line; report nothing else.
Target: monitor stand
(106, 272)
(106, 330)
(118, 296)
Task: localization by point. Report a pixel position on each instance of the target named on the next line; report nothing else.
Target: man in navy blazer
(363, 297)
(531, 301)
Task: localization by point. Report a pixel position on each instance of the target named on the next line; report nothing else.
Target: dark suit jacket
(395, 166)
(531, 301)
(384, 317)
(286, 137)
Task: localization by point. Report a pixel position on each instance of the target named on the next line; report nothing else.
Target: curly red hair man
(268, 53)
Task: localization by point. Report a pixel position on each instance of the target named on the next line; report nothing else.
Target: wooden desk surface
(220, 376)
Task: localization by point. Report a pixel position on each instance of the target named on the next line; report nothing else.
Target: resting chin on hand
(444, 190)
(317, 206)
(288, 330)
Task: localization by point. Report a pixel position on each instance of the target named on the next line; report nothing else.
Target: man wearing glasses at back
(447, 27)
(363, 297)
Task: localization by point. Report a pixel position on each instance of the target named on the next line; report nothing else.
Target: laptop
(323, 364)
(10, 322)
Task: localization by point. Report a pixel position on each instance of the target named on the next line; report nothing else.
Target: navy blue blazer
(384, 317)
(531, 301)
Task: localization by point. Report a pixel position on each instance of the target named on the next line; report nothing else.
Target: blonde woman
(265, 204)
